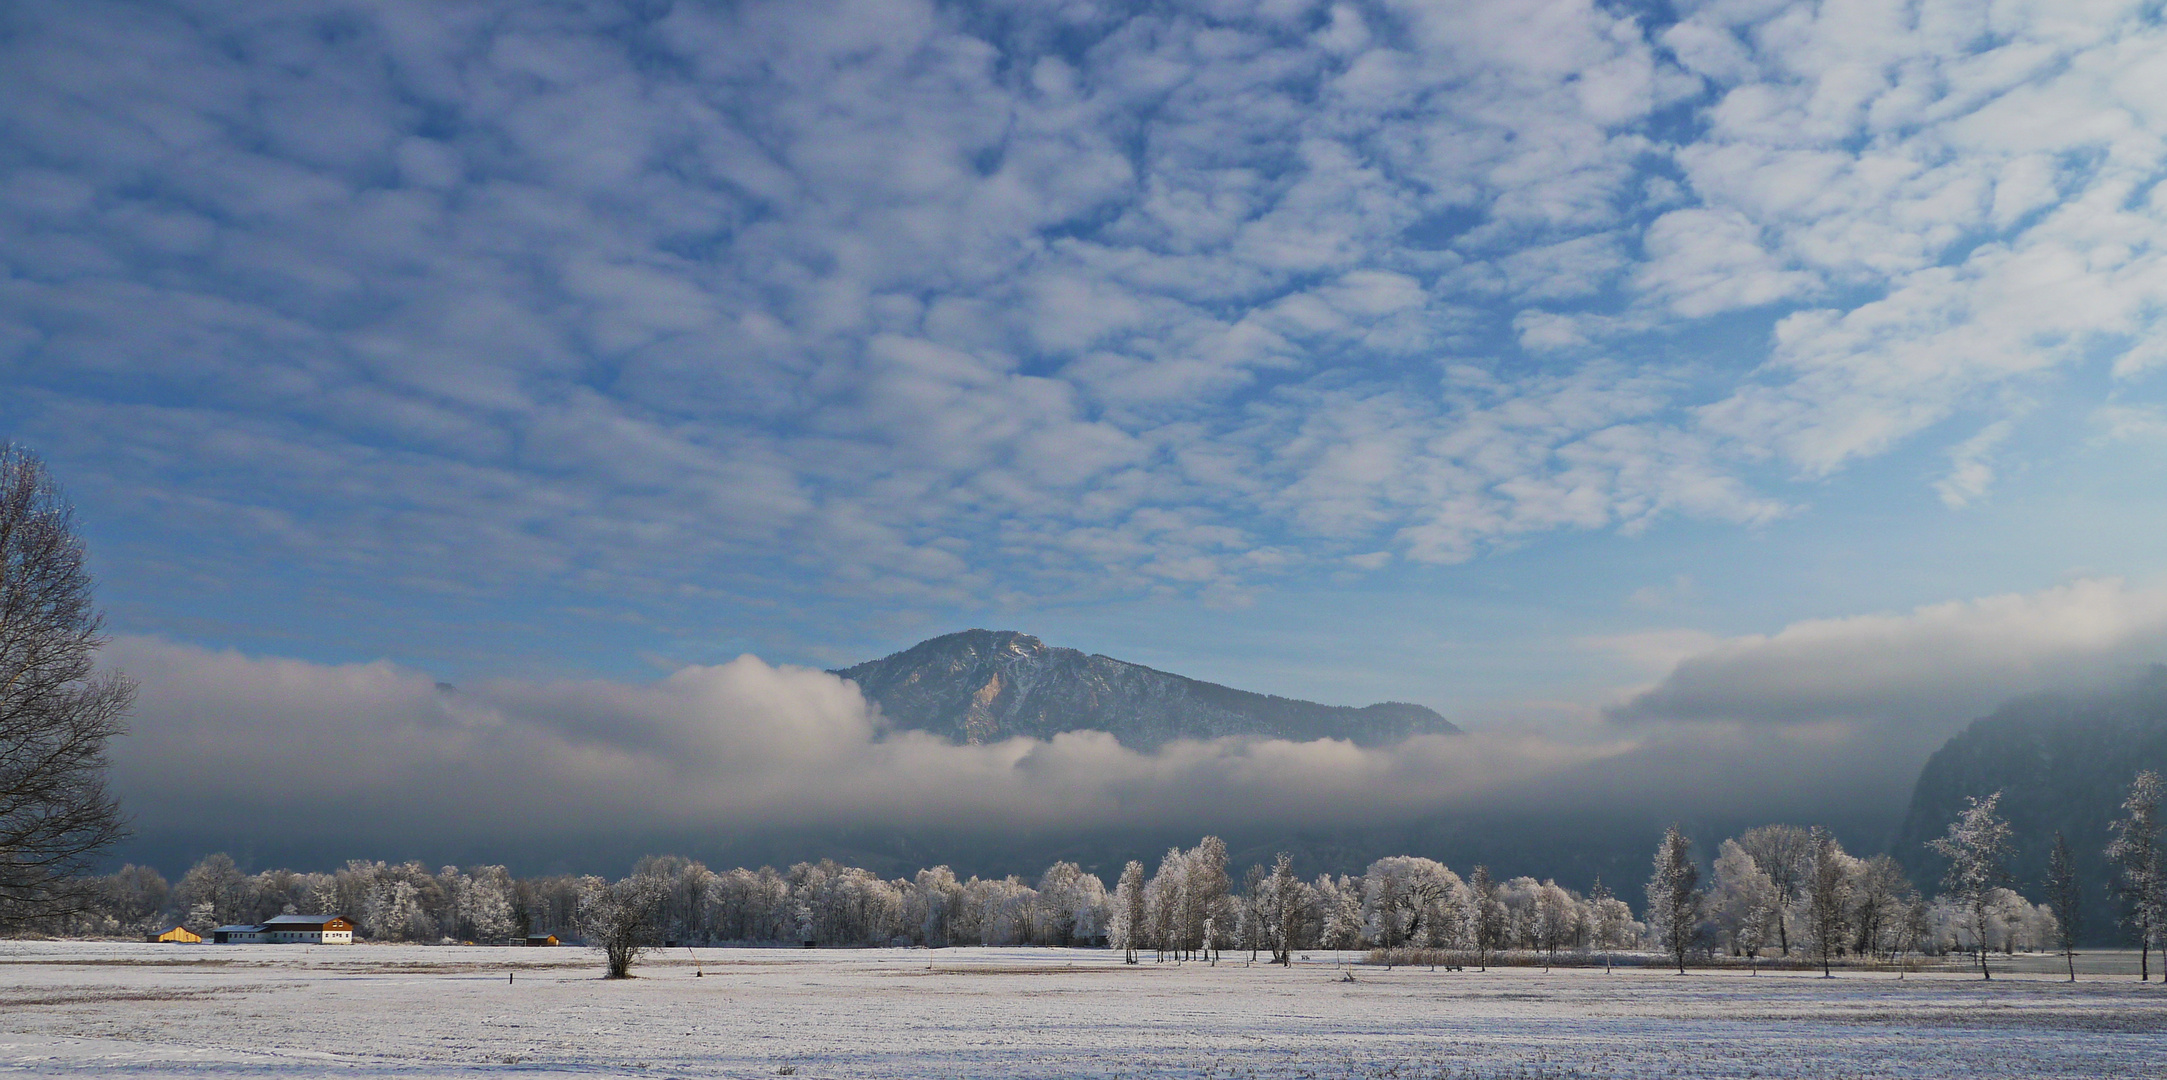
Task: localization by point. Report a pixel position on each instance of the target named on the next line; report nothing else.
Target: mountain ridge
(2063, 761)
(980, 686)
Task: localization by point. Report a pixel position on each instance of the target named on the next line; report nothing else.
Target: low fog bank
(284, 762)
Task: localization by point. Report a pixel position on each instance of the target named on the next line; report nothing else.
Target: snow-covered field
(413, 1011)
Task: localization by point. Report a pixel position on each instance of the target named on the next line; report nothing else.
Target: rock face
(982, 686)
(2063, 762)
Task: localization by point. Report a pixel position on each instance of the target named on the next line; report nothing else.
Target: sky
(1723, 397)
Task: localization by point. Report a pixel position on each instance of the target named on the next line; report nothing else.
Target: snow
(69, 1008)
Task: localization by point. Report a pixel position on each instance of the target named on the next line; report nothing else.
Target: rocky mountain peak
(981, 686)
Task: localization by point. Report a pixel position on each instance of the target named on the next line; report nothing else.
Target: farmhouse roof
(237, 928)
(298, 920)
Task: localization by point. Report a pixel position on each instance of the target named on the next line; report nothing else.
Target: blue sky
(1501, 356)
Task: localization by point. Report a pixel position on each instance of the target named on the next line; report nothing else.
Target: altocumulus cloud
(915, 301)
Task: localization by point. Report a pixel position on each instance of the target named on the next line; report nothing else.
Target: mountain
(982, 686)
(2062, 762)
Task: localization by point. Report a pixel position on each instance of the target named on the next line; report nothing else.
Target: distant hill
(2061, 761)
(982, 686)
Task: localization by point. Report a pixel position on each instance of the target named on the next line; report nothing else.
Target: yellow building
(179, 933)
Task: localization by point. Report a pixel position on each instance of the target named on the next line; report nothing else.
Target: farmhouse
(289, 930)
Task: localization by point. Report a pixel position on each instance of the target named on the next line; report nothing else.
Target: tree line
(1777, 891)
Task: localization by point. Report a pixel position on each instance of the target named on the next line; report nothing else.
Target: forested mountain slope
(2062, 762)
(982, 686)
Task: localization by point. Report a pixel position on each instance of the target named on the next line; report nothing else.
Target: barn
(309, 930)
(289, 930)
(179, 934)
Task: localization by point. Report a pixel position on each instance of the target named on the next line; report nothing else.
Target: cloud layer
(915, 301)
(1827, 720)
(386, 751)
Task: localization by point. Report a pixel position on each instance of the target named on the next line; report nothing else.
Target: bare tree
(2141, 876)
(1251, 909)
(1785, 854)
(623, 920)
(1487, 919)
(2065, 895)
(1674, 896)
(1977, 847)
(1881, 900)
(1828, 898)
(1131, 920)
(56, 710)
(1286, 904)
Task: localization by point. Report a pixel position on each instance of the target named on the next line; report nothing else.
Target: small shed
(179, 934)
(542, 939)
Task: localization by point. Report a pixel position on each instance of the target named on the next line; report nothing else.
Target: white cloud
(1823, 718)
(1924, 670)
(383, 749)
(1971, 469)
(1977, 173)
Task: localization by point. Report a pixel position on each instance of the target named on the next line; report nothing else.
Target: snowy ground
(410, 1011)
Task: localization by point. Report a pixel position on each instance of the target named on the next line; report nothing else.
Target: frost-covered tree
(931, 911)
(1487, 920)
(2014, 923)
(1405, 899)
(2140, 874)
(1743, 901)
(1977, 847)
(1785, 854)
(1674, 897)
(484, 904)
(1342, 904)
(1557, 920)
(136, 896)
(2065, 896)
(1130, 914)
(1166, 902)
(1204, 894)
(1610, 920)
(623, 920)
(217, 886)
(1283, 909)
(1881, 901)
(1828, 899)
(1074, 903)
(683, 884)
